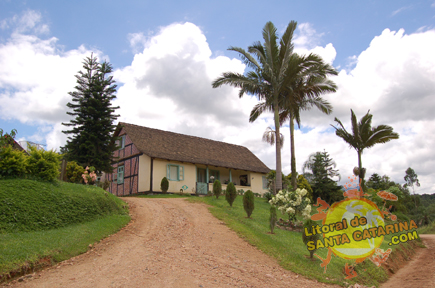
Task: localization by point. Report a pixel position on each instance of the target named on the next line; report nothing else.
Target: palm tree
(306, 81)
(309, 83)
(268, 75)
(269, 137)
(364, 136)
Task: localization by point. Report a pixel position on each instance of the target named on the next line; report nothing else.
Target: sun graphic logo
(354, 228)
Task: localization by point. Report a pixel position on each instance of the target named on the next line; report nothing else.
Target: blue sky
(383, 50)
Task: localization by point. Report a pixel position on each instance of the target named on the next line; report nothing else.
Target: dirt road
(420, 271)
(170, 243)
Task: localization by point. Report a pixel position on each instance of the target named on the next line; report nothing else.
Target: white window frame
(120, 178)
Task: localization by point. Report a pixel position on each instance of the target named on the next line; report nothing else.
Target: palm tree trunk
(292, 153)
(278, 179)
(360, 179)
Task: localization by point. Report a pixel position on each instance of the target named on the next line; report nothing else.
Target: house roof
(184, 148)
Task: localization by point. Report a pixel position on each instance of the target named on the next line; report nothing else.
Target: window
(120, 175)
(243, 180)
(121, 142)
(265, 182)
(175, 172)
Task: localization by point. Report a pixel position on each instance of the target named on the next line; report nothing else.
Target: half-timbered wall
(129, 158)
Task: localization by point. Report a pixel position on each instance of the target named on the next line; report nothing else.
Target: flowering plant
(89, 176)
(292, 203)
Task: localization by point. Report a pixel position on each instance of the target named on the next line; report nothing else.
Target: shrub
(217, 188)
(314, 237)
(272, 219)
(164, 185)
(231, 193)
(104, 185)
(43, 164)
(292, 203)
(248, 202)
(12, 162)
(268, 196)
(74, 172)
(240, 192)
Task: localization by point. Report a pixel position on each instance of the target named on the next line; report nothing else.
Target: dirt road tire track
(169, 243)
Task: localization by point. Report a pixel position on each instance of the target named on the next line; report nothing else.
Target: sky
(165, 55)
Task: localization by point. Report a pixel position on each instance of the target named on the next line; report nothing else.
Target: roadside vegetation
(288, 246)
(53, 220)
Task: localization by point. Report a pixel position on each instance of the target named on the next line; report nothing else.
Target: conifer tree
(321, 171)
(90, 141)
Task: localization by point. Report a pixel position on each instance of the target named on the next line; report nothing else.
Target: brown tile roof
(184, 148)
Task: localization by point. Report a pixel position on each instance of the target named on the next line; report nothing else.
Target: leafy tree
(230, 193)
(248, 202)
(319, 171)
(303, 184)
(90, 143)
(271, 181)
(364, 136)
(217, 188)
(164, 185)
(411, 178)
(269, 63)
(374, 181)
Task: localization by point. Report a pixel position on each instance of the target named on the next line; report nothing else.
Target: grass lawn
(24, 249)
(287, 246)
(55, 221)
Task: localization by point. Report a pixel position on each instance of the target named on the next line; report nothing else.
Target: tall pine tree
(319, 171)
(90, 141)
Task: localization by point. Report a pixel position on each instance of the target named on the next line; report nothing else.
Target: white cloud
(168, 86)
(28, 22)
(36, 75)
(394, 78)
(307, 41)
(395, 12)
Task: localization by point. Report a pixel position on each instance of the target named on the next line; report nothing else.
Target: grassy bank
(287, 246)
(53, 221)
(428, 229)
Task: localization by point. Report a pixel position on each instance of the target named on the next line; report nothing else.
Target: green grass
(53, 220)
(163, 196)
(29, 205)
(25, 248)
(287, 246)
(428, 229)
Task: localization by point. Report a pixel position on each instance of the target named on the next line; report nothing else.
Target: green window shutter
(168, 171)
(120, 174)
(264, 182)
(180, 173)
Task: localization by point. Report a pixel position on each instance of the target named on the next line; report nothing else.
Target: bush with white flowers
(292, 203)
